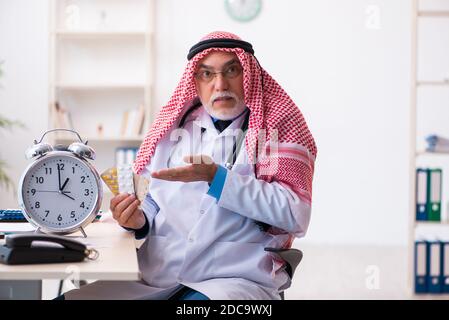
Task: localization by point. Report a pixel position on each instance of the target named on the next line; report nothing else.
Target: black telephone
(42, 248)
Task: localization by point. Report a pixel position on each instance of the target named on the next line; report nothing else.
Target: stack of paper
(437, 143)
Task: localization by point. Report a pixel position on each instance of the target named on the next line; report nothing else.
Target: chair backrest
(292, 258)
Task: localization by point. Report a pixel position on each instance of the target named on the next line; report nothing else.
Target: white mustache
(224, 94)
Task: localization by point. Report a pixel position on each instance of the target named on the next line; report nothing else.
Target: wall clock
(243, 10)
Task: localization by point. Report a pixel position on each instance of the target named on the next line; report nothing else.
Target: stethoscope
(229, 164)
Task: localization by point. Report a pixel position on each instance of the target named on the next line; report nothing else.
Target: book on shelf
(431, 265)
(428, 194)
(132, 122)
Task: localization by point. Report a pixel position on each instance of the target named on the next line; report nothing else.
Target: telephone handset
(43, 248)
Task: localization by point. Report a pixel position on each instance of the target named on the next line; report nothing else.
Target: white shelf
(100, 34)
(429, 296)
(101, 71)
(105, 86)
(432, 223)
(444, 82)
(440, 14)
(102, 60)
(428, 61)
(102, 139)
(428, 153)
(95, 15)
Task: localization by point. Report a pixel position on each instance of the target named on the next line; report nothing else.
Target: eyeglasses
(230, 72)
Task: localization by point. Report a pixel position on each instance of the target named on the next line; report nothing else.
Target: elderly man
(231, 162)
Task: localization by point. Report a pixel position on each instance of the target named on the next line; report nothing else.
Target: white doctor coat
(214, 247)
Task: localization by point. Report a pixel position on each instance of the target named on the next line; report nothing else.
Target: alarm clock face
(60, 192)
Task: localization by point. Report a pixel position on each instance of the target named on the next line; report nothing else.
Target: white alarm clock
(60, 192)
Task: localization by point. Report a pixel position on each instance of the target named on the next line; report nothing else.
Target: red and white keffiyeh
(288, 160)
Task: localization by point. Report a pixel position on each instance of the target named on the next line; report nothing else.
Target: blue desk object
(12, 215)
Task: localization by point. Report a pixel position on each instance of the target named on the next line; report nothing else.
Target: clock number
(47, 170)
(40, 180)
(73, 170)
(61, 166)
(72, 214)
(33, 191)
(37, 205)
(83, 179)
(82, 205)
(59, 218)
(86, 192)
(47, 212)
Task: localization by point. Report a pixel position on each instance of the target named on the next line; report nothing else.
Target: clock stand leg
(38, 230)
(82, 231)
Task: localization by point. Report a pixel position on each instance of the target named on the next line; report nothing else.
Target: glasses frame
(223, 72)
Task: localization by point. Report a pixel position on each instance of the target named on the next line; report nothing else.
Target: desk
(117, 261)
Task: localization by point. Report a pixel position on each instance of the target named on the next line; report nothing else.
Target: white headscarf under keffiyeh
(278, 139)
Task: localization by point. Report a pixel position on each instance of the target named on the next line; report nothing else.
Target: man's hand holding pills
(125, 209)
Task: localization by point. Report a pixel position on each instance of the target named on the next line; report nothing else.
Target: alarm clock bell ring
(38, 150)
(82, 150)
(79, 148)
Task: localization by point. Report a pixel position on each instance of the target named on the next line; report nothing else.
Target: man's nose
(221, 83)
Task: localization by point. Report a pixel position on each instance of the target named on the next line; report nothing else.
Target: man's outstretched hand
(200, 168)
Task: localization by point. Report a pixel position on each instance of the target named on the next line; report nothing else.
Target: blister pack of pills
(125, 179)
(110, 179)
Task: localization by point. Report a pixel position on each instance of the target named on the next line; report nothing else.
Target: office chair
(292, 258)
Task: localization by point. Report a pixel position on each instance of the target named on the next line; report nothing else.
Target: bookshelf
(429, 98)
(100, 72)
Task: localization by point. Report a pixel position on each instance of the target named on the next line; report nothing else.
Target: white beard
(225, 113)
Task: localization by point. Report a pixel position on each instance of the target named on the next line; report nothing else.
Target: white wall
(24, 85)
(351, 82)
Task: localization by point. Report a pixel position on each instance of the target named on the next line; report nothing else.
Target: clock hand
(53, 191)
(59, 177)
(64, 184)
(65, 194)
